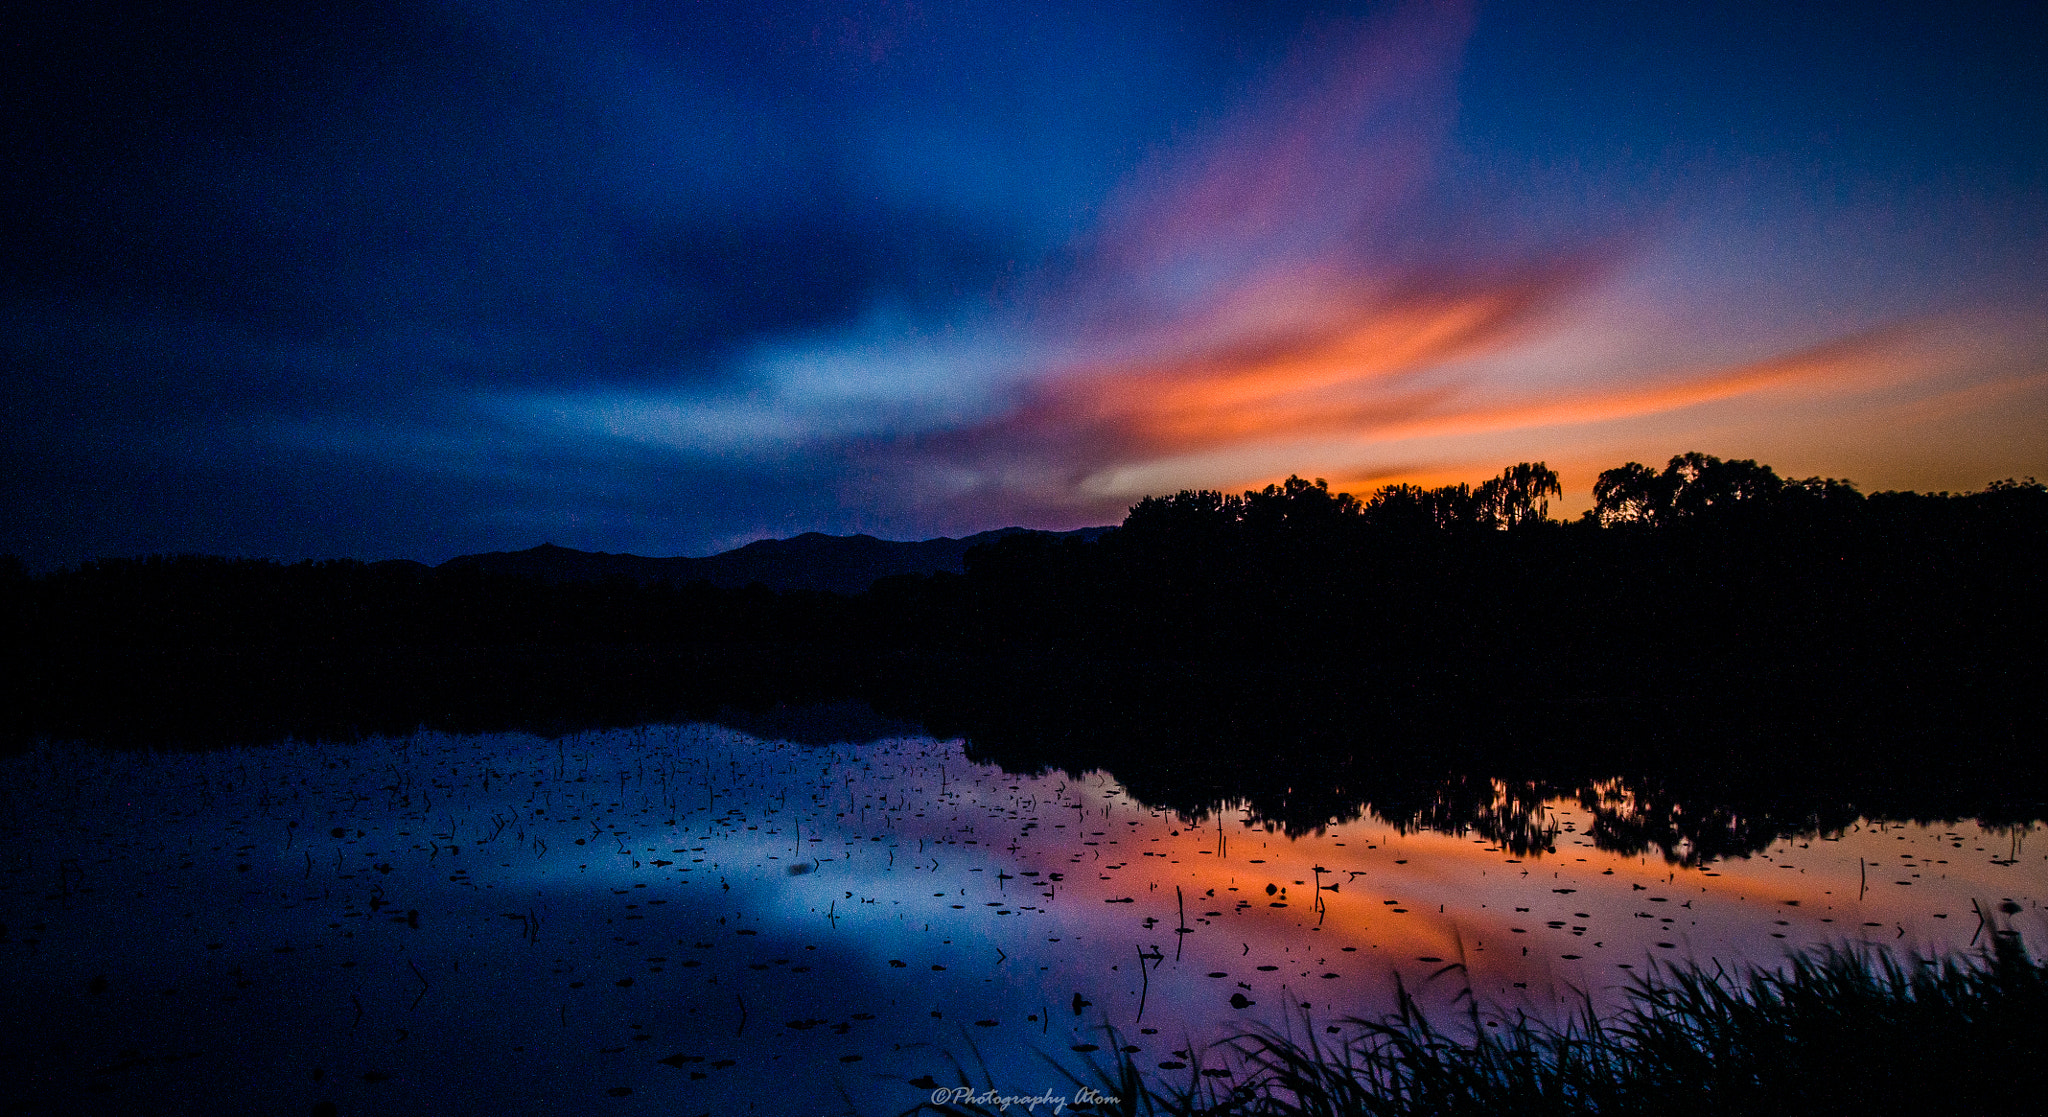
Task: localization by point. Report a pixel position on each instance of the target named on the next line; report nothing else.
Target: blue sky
(416, 280)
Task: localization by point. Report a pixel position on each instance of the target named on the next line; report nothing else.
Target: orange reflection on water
(1534, 932)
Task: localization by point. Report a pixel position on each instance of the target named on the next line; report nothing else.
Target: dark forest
(1703, 627)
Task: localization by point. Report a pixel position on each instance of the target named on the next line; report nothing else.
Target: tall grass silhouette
(1836, 1030)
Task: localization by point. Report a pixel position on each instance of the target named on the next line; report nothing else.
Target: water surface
(692, 919)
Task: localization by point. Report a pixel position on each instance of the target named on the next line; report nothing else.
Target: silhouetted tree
(1190, 511)
(1816, 500)
(1400, 508)
(1411, 508)
(1628, 494)
(1695, 485)
(1701, 484)
(1519, 497)
(1298, 504)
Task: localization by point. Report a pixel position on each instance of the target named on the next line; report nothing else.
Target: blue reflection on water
(684, 919)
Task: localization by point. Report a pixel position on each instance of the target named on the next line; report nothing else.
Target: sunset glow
(661, 282)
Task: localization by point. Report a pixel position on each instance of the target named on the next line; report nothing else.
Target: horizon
(544, 545)
(1573, 511)
(430, 280)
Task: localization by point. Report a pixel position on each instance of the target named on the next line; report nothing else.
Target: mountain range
(846, 564)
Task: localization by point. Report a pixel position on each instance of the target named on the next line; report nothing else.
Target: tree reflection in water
(1299, 769)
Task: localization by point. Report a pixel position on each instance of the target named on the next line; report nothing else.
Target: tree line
(1710, 592)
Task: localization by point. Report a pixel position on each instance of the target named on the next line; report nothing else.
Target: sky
(378, 280)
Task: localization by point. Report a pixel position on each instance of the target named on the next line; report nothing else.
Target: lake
(684, 919)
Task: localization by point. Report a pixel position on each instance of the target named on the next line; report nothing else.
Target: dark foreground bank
(1754, 656)
(1713, 598)
(1834, 1032)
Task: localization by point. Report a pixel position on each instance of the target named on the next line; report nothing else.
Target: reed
(1837, 1030)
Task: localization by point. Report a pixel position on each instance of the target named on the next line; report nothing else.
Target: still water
(692, 919)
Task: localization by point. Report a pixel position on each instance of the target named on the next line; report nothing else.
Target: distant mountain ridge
(846, 564)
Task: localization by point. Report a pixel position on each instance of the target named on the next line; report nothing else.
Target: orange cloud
(1401, 373)
(1855, 363)
(1349, 375)
(1335, 370)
